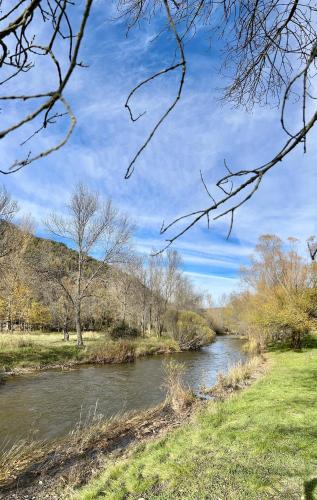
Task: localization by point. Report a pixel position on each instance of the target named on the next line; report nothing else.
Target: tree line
(278, 298)
(90, 277)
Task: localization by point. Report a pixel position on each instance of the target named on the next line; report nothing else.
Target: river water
(50, 403)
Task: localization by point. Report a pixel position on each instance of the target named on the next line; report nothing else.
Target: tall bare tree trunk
(80, 342)
(65, 330)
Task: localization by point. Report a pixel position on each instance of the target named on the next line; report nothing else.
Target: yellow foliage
(38, 315)
(280, 303)
(191, 325)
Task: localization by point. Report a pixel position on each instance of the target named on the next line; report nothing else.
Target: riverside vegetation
(255, 443)
(120, 305)
(35, 351)
(38, 351)
(258, 443)
(277, 301)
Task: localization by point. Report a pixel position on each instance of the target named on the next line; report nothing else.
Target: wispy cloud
(166, 183)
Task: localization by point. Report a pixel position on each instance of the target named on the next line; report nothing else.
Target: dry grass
(14, 458)
(153, 345)
(255, 345)
(60, 467)
(15, 342)
(238, 376)
(86, 429)
(179, 396)
(119, 351)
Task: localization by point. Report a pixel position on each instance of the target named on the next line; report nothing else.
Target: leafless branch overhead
(21, 56)
(270, 54)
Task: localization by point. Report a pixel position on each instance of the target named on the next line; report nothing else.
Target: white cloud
(216, 286)
(166, 182)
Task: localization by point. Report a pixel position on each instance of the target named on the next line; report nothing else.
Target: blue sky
(166, 183)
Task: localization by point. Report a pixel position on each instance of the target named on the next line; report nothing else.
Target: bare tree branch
(19, 54)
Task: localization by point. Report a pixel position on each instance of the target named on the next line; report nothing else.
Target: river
(48, 404)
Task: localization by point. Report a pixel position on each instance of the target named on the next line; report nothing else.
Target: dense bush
(124, 331)
(279, 304)
(193, 330)
(285, 317)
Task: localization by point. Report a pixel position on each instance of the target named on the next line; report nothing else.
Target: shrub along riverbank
(19, 353)
(258, 444)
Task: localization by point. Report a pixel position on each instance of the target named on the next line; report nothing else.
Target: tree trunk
(150, 321)
(66, 334)
(65, 330)
(296, 340)
(80, 342)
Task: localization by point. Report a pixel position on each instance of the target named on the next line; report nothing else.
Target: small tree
(38, 315)
(90, 226)
(193, 330)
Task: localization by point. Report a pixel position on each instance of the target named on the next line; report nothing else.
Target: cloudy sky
(198, 135)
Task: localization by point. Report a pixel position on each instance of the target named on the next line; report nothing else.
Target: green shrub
(193, 330)
(123, 331)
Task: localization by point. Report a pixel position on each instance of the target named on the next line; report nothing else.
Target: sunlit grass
(259, 444)
(37, 350)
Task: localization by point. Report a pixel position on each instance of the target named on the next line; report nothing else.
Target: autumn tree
(15, 286)
(89, 226)
(193, 330)
(279, 296)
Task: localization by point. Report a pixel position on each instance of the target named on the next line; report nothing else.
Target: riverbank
(54, 470)
(21, 354)
(257, 444)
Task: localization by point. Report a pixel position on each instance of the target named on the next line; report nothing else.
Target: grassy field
(36, 351)
(259, 444)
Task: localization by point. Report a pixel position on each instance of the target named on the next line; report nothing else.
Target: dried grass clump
(238, 376)
(24, 342)
(14, 458)
(119, 351)
(86, 430)
(179, 395)
(255, 345)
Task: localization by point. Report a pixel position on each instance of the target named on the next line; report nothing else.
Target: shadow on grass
(309, 488)
(309, 342)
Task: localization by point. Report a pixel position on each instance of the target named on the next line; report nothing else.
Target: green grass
(19, 350)
(261, 443)
(37, 350)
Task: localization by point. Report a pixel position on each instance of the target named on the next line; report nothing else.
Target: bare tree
(162, 282)
(8, 209)
(90, 227)
(125, 279)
